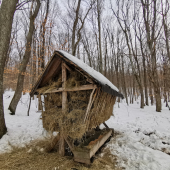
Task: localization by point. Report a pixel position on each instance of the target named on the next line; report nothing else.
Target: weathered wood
(61, 145)
(67, 67)
(54, 68)
(53, 143)
(64, 93)
(82, 160)
(99, 143)
(83, 87)
(88, 77)
(70, 144)
(89, 105)
(82, 155)
(64, 106)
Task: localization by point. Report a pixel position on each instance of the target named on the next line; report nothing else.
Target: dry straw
(71, 121)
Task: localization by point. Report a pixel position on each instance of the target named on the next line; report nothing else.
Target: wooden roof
(54, 66)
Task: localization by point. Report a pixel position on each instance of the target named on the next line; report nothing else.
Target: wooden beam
(83, 87)
(88, 121)
(64, 107)
(67, 67)
(51, 71)
(64, 93)
(88, 78)
(70, 144)
(54, 142)
(61, 145)
(89, 105)
(42, 75)
(107, 127)
(99, 143)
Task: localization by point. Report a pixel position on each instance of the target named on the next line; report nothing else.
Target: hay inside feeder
(71, 120)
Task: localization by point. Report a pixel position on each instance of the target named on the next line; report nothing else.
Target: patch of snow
(143, 142)
(21, 129)
(96, 75)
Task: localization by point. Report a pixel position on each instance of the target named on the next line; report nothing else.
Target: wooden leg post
(62, 146)
(105, 125)
(64, 107)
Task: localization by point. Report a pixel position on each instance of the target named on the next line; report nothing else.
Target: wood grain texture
(83, 87)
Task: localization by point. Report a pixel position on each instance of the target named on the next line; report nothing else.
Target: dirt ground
(30, 158)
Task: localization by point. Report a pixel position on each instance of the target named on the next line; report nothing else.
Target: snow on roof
(95, 74)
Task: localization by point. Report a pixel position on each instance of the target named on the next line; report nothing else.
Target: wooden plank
(89, 105)
(88, 78)
(70, 144)
(99, 143)
(61, 146)
(64, 106)
(79, 69)
(64, 93)
(67, 67)
(34, 88)
(82, 160)
(53, 70)
(82, 156)
(54, 142)
(83, 87)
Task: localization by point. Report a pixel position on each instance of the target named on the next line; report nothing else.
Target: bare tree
(24, 62)
(78, 23)
(150, 21)
(125, 25)
(7, 10)
(42, 35)
(99, 29)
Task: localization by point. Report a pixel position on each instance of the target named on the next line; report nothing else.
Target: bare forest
(128, 41)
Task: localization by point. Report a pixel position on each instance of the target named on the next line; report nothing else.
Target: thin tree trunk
(145, 82)
(7, 10)
(150, 93)
(23, 66)
(142, 98)
(99, 29)
(43, 30)
(74, 29)
(123, 81)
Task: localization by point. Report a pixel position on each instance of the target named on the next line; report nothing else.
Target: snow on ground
(143, 142)
(21, 128)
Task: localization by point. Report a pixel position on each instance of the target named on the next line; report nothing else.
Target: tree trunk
(23, 66)
(158, 99)
(74, 29)
(7, 10)
(142, 98)
(150, 27)
(145, 82)
(150, 93)
(43, 31)
(123, 81)
(99, 29)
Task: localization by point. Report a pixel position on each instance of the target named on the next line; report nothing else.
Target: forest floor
(142, 143)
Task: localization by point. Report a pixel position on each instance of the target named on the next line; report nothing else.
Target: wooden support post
(64, 93)
(62, 145)
(64, 107)
(107, 127)
(89, 105)
(67, 67)
(70, 144)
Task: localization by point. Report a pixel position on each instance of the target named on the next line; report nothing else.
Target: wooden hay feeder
(77, 99)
